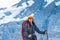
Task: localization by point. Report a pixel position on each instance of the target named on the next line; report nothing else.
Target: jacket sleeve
(25, 30)
(37, 30)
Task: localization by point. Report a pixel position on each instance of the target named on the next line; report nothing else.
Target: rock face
(46, 18)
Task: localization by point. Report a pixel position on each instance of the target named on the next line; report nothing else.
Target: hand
(29, 36)
(46, 32)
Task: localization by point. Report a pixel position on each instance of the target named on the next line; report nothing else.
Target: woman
(30, 28)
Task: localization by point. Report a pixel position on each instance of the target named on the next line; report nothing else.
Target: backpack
(23, 24)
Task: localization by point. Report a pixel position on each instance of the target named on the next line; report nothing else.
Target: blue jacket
(30, 29)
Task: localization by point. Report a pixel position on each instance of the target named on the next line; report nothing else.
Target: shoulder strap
(23, 29)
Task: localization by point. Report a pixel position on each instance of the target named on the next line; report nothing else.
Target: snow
(14, 11)
(8, 3)
(57, 3)
(45, 19)
(48, 2)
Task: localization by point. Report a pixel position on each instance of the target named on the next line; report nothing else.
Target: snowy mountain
(47, 13)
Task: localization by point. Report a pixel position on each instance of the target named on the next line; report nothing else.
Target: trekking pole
(47, 36)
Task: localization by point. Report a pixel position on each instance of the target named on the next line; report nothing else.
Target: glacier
(46, 16)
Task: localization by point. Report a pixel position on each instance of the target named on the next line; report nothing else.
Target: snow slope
(47, 13)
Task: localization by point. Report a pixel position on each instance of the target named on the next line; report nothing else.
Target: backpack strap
(23, 24)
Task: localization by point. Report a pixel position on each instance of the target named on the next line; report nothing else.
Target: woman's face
(30, 20)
